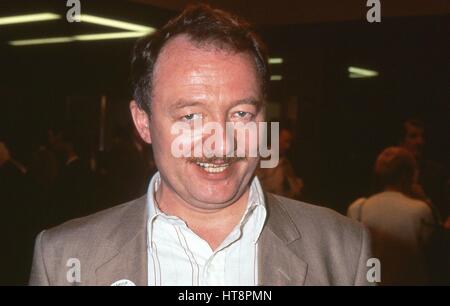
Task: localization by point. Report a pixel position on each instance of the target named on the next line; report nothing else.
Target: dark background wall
(341, 123)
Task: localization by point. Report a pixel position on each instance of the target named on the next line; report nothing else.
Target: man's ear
(141, 121)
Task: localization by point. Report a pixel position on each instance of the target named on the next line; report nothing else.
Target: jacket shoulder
(335, 247)
(97, 225)
(86, 241)
(311, 217)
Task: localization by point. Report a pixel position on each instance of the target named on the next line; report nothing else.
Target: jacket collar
(125, 250)
(278, 260)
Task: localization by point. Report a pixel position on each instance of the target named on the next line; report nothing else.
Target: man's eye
(191, 117)
(244, 115)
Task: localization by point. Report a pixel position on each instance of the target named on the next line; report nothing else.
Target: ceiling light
(133, 31)
(115, 23)
(28, 18)
(275, 60)
(355, 72)
(84, 37)
(41, 41)
(104, 36)
(276, 77)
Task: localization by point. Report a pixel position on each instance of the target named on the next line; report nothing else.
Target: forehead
(186, 68)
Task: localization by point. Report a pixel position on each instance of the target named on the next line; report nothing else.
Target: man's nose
(218, 140)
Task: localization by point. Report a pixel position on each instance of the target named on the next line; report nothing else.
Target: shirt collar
(255, 200)
(152, 207)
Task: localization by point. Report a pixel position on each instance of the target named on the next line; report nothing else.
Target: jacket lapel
(126, 249)
(279, 263)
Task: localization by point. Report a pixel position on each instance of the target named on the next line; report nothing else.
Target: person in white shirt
(399, 223)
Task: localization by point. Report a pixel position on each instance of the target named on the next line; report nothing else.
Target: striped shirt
(179, 257)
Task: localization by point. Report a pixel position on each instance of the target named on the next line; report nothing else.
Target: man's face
(192, 84)
(414, 140)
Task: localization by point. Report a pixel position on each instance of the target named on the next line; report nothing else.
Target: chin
(224, 197)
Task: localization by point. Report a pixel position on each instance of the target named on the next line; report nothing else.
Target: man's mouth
(213, 168)
(215, 165)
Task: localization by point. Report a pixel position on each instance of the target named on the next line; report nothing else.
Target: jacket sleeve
(368, 270)
(38, 276)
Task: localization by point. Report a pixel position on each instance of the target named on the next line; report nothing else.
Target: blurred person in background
(16, 238)
(44, 170)
(433, 182)
(400, 224)
(433, 187)
(129, 165)
(72, 196)
(282, 179)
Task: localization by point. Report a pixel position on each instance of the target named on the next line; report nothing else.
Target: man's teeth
(213, 168)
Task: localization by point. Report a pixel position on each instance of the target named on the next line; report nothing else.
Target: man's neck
(212, 225)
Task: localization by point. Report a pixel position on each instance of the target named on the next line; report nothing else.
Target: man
(204, 220)
(433, 187)
(400, 225)
(432, 175)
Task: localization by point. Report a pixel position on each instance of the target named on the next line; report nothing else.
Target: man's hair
(205, 27)
(395, 167)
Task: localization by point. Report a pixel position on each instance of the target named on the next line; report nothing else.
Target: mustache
(215, 160)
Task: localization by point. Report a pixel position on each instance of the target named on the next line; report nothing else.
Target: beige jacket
(300, 244)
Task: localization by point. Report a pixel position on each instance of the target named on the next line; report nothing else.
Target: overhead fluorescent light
(133, 31)
(275, 60)
(115, 23)
(84, 37)
(105, 36)
(356, 72)
(28, 18)
(356, 76)
(276, 77)
(41, 41)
